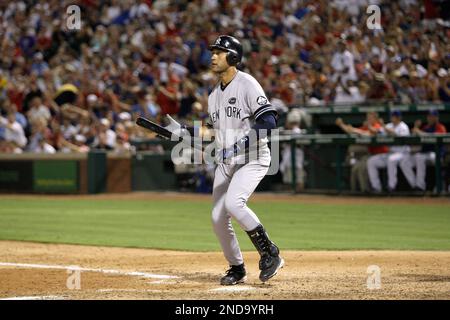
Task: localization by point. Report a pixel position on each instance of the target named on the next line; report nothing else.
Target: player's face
(219, 61)
(395, 120)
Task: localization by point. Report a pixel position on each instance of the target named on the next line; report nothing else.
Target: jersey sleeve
(441, 129)
(256, 100)
(403, 130)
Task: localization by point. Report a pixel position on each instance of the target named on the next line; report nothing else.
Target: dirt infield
(38, 271)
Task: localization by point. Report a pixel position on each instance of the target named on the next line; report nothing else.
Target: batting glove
(176, 128)
(225, 155)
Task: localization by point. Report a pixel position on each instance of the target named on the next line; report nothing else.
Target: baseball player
(427, 154)
(397, 156)
(371, 127)
(238, 105)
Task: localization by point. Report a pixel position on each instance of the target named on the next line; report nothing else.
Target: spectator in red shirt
(167, 98)
(380, 88)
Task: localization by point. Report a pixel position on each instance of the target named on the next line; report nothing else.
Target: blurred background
(351, 100)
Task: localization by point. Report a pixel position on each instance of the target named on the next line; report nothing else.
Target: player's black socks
(240, 268)
(262, 243)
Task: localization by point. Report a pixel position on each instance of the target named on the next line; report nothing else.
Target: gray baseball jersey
(234, 109)
(232, 112)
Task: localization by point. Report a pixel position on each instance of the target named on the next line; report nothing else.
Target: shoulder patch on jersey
(261, 100)
(232, 100)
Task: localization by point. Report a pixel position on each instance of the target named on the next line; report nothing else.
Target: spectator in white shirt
(343, 64)
(11, 107)
(68, 129)
(44, 147)
(112, 11)
(397, 156)
(139, 10)
(38, 110)
(14, 134)
(347, 93)
(353, 7)
(106, 138)
(39, 133)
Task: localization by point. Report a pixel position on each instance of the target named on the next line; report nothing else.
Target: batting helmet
(232, 46)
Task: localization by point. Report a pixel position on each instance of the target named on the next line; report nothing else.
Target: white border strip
(107, 271)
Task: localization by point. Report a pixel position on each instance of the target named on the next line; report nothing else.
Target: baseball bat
(150, 125)
(164, 133)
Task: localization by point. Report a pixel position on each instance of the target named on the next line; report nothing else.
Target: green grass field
(185, 225)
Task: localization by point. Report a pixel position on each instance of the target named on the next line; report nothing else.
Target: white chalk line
(107, 271)
(163, 281)
(34, 298)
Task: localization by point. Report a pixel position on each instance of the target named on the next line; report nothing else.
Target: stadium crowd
(74, 90)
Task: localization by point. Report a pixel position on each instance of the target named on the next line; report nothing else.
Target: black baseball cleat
(270, 264)
(234, 275)
(270, 261)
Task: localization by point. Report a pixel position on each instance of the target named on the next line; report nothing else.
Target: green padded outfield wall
(152, 172)
(97, 174)
(56, 176)
(16, 176)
